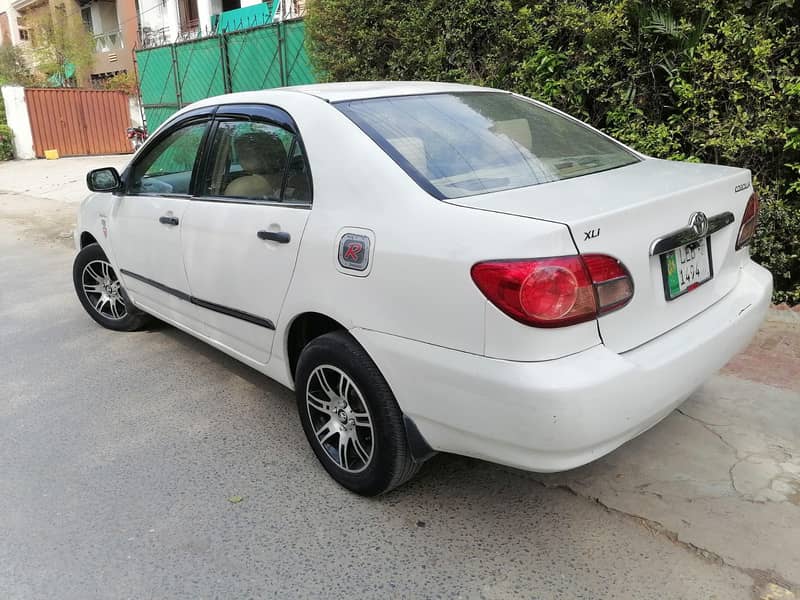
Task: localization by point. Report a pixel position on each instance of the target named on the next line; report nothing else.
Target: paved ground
(63, 179)
(119, 454)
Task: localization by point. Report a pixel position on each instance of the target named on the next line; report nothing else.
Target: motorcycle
(137, 136)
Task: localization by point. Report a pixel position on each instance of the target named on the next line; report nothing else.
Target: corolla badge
(741, 187)
(698, 223)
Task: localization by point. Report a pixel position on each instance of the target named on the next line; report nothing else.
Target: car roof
(337, 92)
(358, 90)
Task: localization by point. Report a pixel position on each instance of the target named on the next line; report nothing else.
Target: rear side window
(257, 161)
(463, 144)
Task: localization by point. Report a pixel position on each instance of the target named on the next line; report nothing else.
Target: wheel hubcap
(340, 418)
(103, 290)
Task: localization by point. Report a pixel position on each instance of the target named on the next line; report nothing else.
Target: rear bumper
(559, 414)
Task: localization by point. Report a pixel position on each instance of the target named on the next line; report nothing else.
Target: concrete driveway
(63, 180)
(150, 465)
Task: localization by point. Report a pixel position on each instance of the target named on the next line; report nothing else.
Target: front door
(145, 224)
(241, 233)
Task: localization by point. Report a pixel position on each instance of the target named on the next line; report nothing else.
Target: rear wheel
(101, 293)
(350, 416)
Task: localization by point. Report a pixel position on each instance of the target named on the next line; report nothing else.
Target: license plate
(686, 267)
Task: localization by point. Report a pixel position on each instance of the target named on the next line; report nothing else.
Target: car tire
(101, 293)
(350, 416)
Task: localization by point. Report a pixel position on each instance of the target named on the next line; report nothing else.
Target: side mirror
(103, 180)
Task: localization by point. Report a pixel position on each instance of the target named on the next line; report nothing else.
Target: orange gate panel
(78, 122)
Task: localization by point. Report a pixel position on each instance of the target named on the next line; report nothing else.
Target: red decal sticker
(353, 251)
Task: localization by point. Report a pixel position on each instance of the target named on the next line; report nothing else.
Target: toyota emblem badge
(698, 222)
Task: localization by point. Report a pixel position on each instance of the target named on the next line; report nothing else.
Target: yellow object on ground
(776, 592)
(51, 154)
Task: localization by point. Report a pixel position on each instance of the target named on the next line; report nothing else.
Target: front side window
(468, 143)
(167, 168)
(257, 161)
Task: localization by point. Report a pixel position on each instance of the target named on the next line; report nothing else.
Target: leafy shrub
(13, 67)
(121, 82)
(711, 81)
(6, 143)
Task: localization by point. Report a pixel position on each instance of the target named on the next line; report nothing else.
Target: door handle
(281, 237)
(168, 220)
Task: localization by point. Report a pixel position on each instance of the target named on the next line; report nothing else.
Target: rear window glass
(462, 144)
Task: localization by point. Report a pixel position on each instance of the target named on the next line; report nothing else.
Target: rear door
(242, 230)
(145, 224)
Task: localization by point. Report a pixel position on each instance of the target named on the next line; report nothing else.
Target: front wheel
(350, 416)
(101, 293)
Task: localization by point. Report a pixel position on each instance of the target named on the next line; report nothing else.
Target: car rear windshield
(467, 143)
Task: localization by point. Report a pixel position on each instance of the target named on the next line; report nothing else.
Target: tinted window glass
(257, 161)
(167, 168)
(469, 143)
(298, 182)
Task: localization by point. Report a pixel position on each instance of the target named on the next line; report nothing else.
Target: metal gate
(78, 122)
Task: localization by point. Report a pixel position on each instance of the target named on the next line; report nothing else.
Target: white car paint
(143, 245)
(627, 206)
(473, 380)
(227, 264)
(558, 414)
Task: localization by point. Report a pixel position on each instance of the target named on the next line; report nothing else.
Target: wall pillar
(128, 25)
(204, 12)
(135, 110)
(18, 120)
(172, 20)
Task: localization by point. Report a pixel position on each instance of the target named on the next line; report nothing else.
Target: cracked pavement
(121, 491)
(722, 473)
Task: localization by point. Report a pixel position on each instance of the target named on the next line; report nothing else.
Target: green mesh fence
(245, 17)
(297, 65)
(170, 77)
(254, 57)
(200, 69)
(156, 115)
(157, 76)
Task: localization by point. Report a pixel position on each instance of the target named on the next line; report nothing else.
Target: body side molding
(225, 310)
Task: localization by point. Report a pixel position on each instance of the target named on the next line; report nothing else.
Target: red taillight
(612, 282)
(749, 221)
(555, 292)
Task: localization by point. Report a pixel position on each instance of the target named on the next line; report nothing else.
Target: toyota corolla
(430, 267)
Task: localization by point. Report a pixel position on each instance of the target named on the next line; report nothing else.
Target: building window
(86, 15)
(231, 5)
(24, 34)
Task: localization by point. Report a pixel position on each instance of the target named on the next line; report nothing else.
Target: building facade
(115, 27)
(120, 26)
(112, 23)
(164, 22)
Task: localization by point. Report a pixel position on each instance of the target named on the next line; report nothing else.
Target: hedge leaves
(711, 81)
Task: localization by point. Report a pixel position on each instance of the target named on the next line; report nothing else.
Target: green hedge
(711, 81)
(6, 143)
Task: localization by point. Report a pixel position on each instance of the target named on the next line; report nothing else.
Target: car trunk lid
(623, 213)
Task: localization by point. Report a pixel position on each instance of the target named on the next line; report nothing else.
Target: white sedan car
(431, 267)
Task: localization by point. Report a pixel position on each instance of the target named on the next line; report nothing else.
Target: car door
(145, 224)
(241, 231)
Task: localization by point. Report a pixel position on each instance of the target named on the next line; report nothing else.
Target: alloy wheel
(103, 290)
(340, 418)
